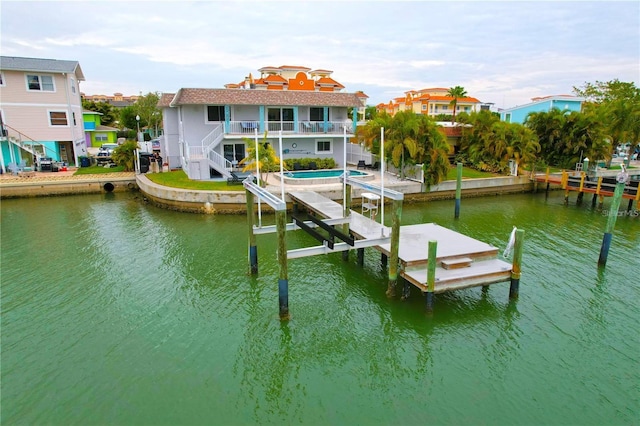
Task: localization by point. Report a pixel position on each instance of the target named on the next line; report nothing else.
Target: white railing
(214, 137)
(195, 152)
(220, 163)
(411, 172)
(246, 127)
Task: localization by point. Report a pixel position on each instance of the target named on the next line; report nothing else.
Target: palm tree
(268, 160)
(434, 149)
(456, 93)
(403, 139)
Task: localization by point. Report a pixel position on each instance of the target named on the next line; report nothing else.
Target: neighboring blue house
(518, 114)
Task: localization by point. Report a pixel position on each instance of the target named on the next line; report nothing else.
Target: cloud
(499, 51)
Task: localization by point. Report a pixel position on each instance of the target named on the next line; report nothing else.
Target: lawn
(179, 179)
(468, 173)
(96, 170)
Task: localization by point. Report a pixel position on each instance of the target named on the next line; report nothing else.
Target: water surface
(116, 312)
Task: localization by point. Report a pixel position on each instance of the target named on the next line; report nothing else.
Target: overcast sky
(500, 52)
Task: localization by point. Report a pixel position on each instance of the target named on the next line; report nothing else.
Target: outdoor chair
(375, 166)
(361, 165)
(313, 165)
(238, 177)
(297, 166)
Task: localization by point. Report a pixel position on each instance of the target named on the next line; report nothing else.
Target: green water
(116, 313)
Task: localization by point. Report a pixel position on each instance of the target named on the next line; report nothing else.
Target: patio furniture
(238, 177)
(361, 165)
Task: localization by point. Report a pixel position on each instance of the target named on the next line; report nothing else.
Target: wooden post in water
(611, 222)
(431, 274)
(395, 246)
(458, 190)
(346, 213)
(283, 276)
(581, 188)
(516, 267)
(253, 247)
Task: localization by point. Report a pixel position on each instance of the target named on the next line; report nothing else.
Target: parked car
(103, 157)
(108, 147)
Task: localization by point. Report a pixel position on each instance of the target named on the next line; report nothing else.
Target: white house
(40, 110)
(205, 129)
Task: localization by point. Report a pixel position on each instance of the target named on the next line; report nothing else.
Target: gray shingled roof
(263, 97)
(15, 63)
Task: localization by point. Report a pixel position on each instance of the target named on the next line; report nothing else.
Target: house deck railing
(248, 127)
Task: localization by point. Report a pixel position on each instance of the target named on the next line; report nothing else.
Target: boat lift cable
(382, 161)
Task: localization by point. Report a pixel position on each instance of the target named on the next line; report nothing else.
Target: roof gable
(15, 63)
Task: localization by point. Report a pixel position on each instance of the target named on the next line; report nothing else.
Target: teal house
(518, 114)
(94, 132)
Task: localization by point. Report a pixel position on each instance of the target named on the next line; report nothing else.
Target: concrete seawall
(234, 202)
(44, 185)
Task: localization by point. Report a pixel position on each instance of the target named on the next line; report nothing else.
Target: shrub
(124, 155)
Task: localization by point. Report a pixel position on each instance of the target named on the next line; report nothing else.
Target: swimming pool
(317, 177)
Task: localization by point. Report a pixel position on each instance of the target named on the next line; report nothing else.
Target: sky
(500, 52)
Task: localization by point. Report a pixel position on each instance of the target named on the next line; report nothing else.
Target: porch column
(325, 112)
(227, 118)
(261, 113)
(295, 119)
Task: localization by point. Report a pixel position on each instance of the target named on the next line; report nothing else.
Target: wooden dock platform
(602, 186)
(462, 261)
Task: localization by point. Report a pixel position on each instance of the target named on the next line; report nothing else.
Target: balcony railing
(289, 127)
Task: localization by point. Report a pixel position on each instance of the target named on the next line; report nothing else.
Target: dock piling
(516, 268)
(283, 276)
(395, 246)
(431, 274)
(611, 223)
(458, 190)
(253, 247)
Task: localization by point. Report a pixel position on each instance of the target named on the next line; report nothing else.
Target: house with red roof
(205, 130)
(431, 102)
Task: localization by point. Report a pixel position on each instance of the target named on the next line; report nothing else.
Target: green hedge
(321, 163)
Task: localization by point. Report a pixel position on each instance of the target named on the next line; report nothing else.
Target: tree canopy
(109, 113)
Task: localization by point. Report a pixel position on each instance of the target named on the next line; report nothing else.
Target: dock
(428, 256)
(599, 186)
(461, 261)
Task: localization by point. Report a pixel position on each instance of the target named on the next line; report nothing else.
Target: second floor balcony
(248, 127)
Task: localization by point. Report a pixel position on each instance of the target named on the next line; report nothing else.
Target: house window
(507, 118)
(1, 78)
(323, 147)
(215, 113)
(280, 119)
(58, 118)
(73, 114)
(424, 107)
(40, 83)
(102, 137)
(73, 86)
(317, 114)
(445, 107)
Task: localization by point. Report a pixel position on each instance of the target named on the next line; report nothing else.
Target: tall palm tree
(403, 139)
(456, 93)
